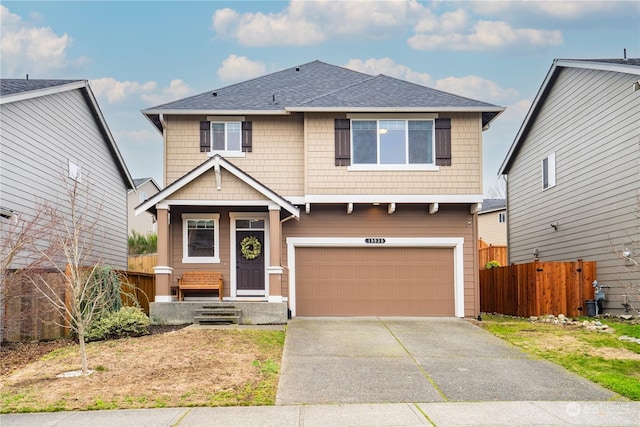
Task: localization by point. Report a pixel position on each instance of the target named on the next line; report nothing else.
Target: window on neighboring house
(227, 138)
(75, 171)
(502, 217)
(200, 238)
(549, 171)
(142, 196)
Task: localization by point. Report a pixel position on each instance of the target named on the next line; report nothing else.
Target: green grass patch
(598, 356)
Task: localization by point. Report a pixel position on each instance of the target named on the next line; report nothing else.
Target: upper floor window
(549, 171)
(392, 142)
(225, 136)
(142, 196)
(502, 217)
(200, 237)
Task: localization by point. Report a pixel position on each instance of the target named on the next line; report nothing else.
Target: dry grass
(189, 367)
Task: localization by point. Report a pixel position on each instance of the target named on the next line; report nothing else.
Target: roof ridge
(340, 89)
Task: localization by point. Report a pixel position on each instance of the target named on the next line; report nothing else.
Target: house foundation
(252, 313)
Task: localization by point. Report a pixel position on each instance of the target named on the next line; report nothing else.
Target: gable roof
(213, 163)
(492, 205)
(627, 66)
(14, 90)
(317, 86)
(138, 182)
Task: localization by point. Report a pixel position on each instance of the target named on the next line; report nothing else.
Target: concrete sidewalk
(393, 414)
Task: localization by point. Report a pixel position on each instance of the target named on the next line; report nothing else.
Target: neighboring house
(492, 222)
(51, 132)
(574, 174)
(145, 223)
(330, 190)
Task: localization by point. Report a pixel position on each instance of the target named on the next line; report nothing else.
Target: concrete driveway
(395, 360)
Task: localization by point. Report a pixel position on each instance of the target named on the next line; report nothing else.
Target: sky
(140, 54)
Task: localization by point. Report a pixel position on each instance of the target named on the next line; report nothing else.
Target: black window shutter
(205, 136)
(343, 142)
(246, 137)
(443, 142)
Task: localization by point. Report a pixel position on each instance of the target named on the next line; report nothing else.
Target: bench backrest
(201, 276)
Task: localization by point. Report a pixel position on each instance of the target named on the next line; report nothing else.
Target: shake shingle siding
(589, 118)
(39, 137)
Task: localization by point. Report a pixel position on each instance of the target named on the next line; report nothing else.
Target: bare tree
(628, 249)
(498, 190)
(69, 248)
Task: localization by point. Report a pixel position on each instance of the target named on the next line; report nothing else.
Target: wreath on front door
(250, 247)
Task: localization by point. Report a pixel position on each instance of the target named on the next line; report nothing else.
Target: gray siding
(590, 119)
(38, 138)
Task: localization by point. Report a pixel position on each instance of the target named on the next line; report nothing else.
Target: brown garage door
(374, 281)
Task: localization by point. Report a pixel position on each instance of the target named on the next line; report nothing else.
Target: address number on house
(375, 240)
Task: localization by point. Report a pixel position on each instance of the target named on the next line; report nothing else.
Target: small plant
(492, 264)
(126, 322)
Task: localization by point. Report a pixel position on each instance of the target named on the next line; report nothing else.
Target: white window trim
(225, 152)
(398, 166)
(456, 243)
(551, 171)
(186, 259)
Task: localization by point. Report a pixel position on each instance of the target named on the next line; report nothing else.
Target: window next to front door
(201, 243)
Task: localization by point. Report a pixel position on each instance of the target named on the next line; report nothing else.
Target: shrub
(140, 244)
(126, 322)
(492, 264)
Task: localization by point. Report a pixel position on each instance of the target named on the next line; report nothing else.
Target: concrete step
(216, 319)
(216, 310)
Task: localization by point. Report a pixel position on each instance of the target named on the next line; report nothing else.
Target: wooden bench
(200, 281)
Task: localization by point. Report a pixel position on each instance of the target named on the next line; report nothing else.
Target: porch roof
(215, 163)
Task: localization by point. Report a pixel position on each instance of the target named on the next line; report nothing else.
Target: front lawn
(188, 367)
(598, 356)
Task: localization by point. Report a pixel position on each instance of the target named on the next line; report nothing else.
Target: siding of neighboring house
(590, 120)
(491, 230)
(39, 137)
(144, 223)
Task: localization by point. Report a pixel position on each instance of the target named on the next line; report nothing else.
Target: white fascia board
(6, 99)
(388, 198)
(214, 202)
(602, 66)
(191, 112)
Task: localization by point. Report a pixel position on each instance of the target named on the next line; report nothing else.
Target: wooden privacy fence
(28, 316)
(143, 263)
(488, 253)
(538, 288)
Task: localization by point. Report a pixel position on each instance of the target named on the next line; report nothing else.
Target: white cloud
(476, 87)
(239, 68)
(569, 10)
(388, 67)
(305, 23)
(118, 91)
(177, 89)
(28, 49)
(486, 35)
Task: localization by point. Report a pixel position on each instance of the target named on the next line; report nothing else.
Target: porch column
(275, 270)
(162, 269)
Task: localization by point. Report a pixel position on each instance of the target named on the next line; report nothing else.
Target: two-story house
(573, 187)
(53, 133)
(325, 190)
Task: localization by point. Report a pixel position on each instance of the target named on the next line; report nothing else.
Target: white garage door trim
(456, 243)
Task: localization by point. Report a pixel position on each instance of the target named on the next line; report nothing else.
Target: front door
(250, 268)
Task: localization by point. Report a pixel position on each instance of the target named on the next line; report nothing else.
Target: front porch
(251, 313)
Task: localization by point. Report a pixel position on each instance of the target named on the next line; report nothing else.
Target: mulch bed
(15, 355)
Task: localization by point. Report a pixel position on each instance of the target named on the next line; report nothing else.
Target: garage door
(374, 281)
